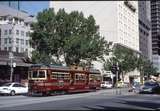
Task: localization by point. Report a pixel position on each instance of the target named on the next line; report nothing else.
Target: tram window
(54, 76)
(41, 74)
(29, 74)
(34, 74)
(59, 75)
(80, 76)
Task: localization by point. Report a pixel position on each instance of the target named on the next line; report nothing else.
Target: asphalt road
(107, 99)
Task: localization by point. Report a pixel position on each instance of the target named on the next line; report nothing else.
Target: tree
(68, 35)
(125, 58)
(145, 67)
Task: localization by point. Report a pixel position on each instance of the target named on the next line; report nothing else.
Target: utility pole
(11, 56)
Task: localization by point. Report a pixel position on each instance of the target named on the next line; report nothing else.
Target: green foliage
(125, 58)
(129, 60)
(70, 35)
(145, 66)
(42, 57)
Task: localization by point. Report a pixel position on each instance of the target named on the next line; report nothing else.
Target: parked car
(150, 87)
(13, 89)
(106, 84)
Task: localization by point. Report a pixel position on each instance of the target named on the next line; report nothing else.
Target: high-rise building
(145, 40)
(155, 21)
(12, 4)
(118, 20)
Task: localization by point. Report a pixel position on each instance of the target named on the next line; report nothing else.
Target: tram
(59, 79)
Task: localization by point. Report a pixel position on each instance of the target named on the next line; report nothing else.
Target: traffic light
(114, 69)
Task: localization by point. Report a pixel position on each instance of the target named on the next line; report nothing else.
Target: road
(107, 99)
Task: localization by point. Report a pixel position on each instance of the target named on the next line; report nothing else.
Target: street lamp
(11, 55)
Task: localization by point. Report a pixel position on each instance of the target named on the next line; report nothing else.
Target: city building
(155, 21)
(14, 41)
(12, 4)
(145, 39)
(118, 21)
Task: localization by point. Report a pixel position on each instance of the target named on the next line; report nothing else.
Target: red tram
(60, 79)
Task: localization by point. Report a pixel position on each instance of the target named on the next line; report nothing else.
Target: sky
(33, 7)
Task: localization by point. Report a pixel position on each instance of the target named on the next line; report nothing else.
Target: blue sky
(33, 7)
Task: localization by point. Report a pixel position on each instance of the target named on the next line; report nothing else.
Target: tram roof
(61, 67)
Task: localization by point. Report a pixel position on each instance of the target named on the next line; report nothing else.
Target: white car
(13, 88)
(106, 84)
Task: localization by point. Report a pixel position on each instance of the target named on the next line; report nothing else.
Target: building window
(10, 31)
(17, 32)
(5, 40)
(17, 49)
(10, 48)
(10, 40)
(26, 42)
(17, 40)
(0, 33)
(22, 41)
(22, 33)
(27, 34)
(5, 32)
(5, 48)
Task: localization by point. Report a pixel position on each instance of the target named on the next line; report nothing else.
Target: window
(27, 34)
(0, 33)
(10, 48)
(10, 40)
(38, 74)
(17, 40)
(5, 48)
(5, 40)
(22, 33)
(10, 31)
(5, 32)
(60, 75)
(26, 42)
(22, 41)
(80, 76)
(16, 85)
(17, 49)
(41, 74)
(17, 32)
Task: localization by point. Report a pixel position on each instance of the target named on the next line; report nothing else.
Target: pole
(11, 55)
(11, 69)
(117, 78)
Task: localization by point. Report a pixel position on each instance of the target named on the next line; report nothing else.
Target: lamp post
(11, 55)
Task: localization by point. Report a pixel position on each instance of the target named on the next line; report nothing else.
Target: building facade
(14, 38)
(155, 21)
(118, 20)
(12, 4)
(145, 40)
(15, 29)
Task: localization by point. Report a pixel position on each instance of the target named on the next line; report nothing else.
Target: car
(13, 89)
(150, 87)
(106, 84)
